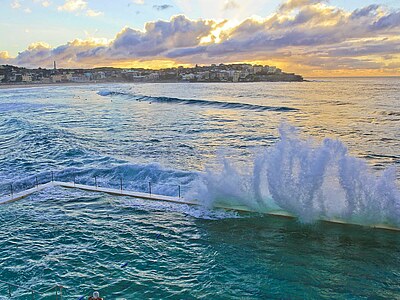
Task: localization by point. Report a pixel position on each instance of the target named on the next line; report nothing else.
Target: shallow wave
(199, 102)
(109, 93)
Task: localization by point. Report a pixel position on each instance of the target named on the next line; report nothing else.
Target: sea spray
(300, 176)
(227, 185)
(309, 181)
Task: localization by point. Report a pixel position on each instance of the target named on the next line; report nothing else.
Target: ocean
(324, 149)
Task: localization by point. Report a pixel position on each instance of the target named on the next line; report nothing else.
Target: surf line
(155, 197)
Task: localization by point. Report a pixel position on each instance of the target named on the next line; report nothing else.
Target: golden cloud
(305, 36)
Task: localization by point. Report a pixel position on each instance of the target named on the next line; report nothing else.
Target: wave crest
(199, 102)
(310, 182)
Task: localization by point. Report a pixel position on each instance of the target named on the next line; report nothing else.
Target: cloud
(230, 4)
(160, 36)
(92, 13)
(370, 10)
(79, 6)
(73, 5)
(162, 7)
(387, 22)
(15, 4)
(293, 4)
(4, 55)
(44, 3)
(140, 2)
(305, 35)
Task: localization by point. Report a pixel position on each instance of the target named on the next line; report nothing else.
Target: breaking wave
(322, 182)
(105, 93)
(307, 180)
(199, 102)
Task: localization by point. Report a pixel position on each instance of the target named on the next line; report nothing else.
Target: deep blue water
(322, 149)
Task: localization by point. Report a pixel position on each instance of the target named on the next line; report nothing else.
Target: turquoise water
(221, 143)
(82, 240)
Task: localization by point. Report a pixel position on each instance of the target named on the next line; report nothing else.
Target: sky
(309, 37)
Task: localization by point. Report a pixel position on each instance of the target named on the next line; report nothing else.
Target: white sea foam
(104, 92)
(310, 182)
(198, 212)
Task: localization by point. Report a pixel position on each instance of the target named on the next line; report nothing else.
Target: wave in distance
(199, 102)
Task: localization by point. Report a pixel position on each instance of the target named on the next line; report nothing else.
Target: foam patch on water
(198, 212)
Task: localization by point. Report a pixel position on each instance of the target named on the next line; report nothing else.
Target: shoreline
(32, 85)
(4, 86)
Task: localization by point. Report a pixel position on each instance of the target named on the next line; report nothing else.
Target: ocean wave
(106, 92)
(199, 102)
(310, 182)
(218, 104)
(297, 177)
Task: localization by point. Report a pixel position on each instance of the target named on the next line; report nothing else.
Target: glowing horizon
(309, 37)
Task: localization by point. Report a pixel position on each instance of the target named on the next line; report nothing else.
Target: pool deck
(155, 197)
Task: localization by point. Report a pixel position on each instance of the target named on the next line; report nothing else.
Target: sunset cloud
(4, 55)
(303, 35)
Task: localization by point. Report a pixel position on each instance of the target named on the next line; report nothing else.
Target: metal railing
(34, 181)
(15, 291)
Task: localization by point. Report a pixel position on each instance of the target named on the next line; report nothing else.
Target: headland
(12, 75)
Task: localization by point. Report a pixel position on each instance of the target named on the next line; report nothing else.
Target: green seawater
(133, 249)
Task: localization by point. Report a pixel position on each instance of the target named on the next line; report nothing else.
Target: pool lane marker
(150, 196)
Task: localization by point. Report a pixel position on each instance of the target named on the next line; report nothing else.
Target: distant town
(213, 73)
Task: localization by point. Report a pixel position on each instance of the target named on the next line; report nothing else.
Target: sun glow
(216, 34)
(154, 64)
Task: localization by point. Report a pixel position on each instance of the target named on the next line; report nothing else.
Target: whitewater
(321, 150)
